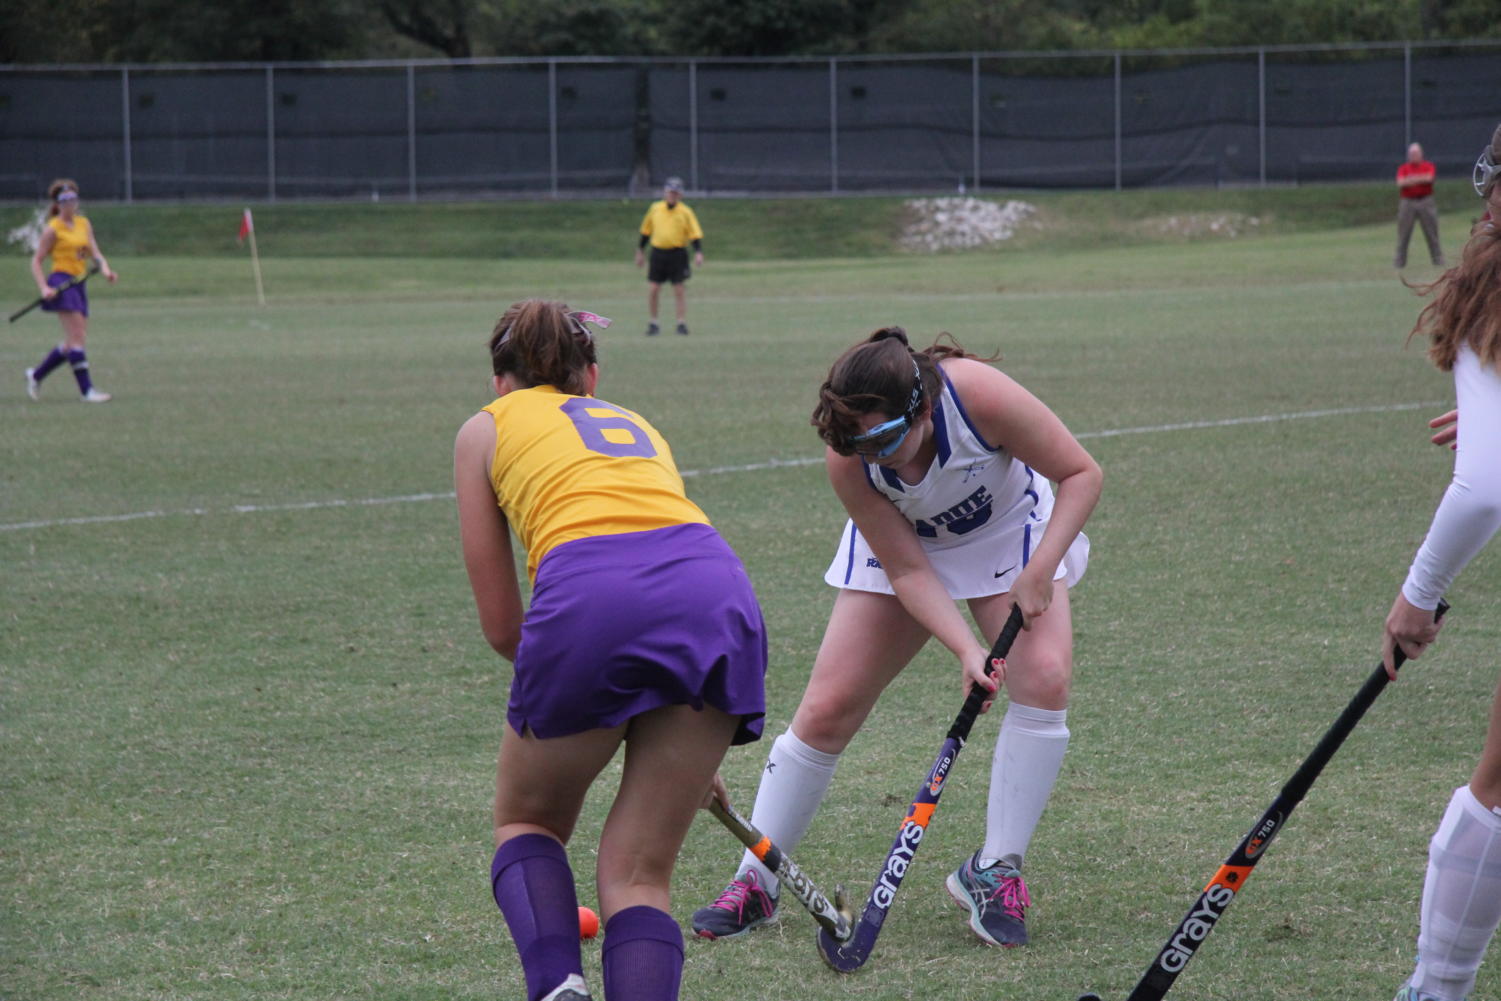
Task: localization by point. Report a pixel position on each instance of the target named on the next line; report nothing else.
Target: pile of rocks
(935, 224)
(29, 234)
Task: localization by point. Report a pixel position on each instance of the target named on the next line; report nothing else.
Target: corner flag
(247, 228)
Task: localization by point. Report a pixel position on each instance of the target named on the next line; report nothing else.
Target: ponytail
(543, 344)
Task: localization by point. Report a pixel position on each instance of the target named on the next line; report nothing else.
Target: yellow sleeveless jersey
(70, 254)
(572, 467)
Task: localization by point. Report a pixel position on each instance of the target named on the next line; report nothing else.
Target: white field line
(751, 467)
(300, 300)
(1227, 422)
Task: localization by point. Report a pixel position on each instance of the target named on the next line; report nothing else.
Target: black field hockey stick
(73, 282)
(836, 919)
(849, 956)
(1227, 882)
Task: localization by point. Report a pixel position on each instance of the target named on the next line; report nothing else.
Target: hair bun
(890, 333)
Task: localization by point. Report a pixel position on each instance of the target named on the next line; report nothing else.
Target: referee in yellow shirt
(669, 227)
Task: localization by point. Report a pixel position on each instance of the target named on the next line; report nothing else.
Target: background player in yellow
(669, 226)
(69, 241)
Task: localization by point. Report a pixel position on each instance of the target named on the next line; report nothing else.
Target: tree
(574, 28)
(983, 25)
(260, 30)
(1293, 22)
(160, 31)
(440, 24)
(768, 27)
(1461, 19)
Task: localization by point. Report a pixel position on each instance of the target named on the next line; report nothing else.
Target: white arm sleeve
(1470, 512)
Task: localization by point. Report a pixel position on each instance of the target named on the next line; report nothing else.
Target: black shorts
(668, 266)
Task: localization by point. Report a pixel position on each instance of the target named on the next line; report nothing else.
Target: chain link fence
(572, 127)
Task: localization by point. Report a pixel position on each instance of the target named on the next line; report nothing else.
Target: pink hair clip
(602, 322)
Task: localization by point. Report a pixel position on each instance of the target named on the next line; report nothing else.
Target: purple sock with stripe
(53, 359)
(642, 956)
(533, 886)
(80, 363)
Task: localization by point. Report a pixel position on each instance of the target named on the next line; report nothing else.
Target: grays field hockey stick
(849, 956)
(70, 283)
(836, 919)
(1227, 882)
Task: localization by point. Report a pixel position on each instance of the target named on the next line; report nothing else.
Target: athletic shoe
(683, 329)
(96, 396)
(572, 989)
(652, 329)
(33, 388)
(1411, 993)
(996, 898)
(743, 905)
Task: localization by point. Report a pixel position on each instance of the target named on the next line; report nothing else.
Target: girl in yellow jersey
(642, 630)
(69, 241)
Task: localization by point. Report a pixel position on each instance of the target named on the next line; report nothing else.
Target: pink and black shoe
(742, 906)
(996, 898)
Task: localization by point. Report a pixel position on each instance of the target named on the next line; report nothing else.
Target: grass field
(247, 719)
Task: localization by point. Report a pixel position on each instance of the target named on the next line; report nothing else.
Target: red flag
(246, 226)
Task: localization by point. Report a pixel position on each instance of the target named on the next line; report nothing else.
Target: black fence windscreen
(476, 128)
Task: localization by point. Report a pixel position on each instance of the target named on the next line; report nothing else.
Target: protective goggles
(886, 437)
(1486, 172)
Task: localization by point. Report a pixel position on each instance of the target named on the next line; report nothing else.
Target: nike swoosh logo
(1002, 573)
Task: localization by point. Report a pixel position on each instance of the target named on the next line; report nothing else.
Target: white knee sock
(792, 786)
(1028, 754)
(1461, 898)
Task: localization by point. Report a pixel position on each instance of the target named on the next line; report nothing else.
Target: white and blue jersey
(978, 511)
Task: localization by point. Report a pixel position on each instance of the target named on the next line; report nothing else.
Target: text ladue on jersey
(964, 517)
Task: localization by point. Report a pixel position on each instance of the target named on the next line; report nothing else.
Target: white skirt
(974, 570)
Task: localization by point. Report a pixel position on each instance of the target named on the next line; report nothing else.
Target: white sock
(1028, 754)
(1461, 898)
(792, 786)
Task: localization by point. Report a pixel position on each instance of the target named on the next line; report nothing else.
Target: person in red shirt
(1415, 186)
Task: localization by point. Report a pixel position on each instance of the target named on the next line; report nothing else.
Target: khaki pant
(1426, 213)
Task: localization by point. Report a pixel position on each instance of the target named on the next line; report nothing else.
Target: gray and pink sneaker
(742, 906)
(996, 898)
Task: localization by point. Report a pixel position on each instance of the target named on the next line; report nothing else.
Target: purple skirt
(74, 300)
(623, 624)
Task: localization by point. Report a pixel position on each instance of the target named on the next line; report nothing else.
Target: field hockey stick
(849, 956)
(70, 283)
(835, 918)
(1227, 882)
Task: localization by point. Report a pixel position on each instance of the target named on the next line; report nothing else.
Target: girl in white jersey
(1462, 895)
(943, 464)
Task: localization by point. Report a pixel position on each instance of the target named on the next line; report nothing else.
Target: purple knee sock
(533, 886)
(642, 956)
(80, 363)
(54, 359)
